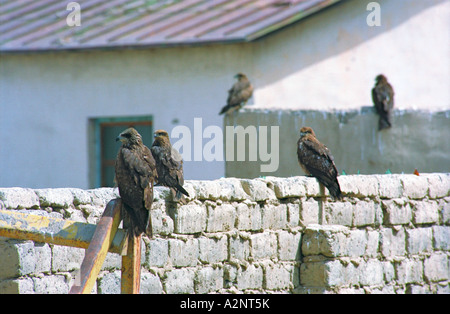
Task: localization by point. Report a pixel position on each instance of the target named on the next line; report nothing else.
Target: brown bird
(169, 165)
(317, 161)
(135, 175)
(238, 95)
(383, 100)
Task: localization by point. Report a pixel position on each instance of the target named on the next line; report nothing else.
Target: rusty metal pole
(98, 248)
(131, 267)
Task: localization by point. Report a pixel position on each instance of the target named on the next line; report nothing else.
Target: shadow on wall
(278, 46)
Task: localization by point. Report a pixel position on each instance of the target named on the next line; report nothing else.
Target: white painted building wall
(327, 61)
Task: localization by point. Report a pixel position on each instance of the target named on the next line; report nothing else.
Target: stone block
(367, 185)
(18, 198)
(18, 258)
(43, 256)
(322, 274)
(419, 240)
(327, 240)
(150, 284)
(389, 186)
(289, 246)
(213, 250)
(55, 198)
(66, 258)
(179, 281)
(363, 214)
(258, 189)
(439, 185)
(109, 283)
(250, 277)
(414, 187)
(397, 212)
(81, 197)
(157, 253)
(263, 245)
(289, 187)
(373, 241)
(208, 280)
(293, 215)
(189, 219)
(338, 213)
(220, 218)
(425, 212)
(356, 243)
(445, 213)
(248, 217)
(206, 190)
(183, 253)
(393, 243)
(371, 273)
(436, 267)
(230, 189)
(441, 238)
(274, 216)
(409, 271)
(17, 286)
(309, 212)
(277, 276)
(54, 284)
(164, 225)
(239, 248)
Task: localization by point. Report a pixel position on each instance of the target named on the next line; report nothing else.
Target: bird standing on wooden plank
(316, 160)
(135, 175)
(383, 100)
(169, 165)
(238, 95)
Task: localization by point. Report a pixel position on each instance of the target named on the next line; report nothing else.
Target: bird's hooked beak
(120, 138)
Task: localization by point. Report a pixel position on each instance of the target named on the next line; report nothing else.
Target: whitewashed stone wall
(390, 234)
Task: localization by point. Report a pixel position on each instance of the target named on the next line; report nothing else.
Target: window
(104, 148)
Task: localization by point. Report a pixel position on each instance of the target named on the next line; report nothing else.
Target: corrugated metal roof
(33, 25)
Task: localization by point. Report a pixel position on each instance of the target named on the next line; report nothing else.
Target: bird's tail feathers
(384, 123)
(137, 223)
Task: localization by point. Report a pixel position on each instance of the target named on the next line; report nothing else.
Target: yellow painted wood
(24, 226)
(131, 267)
(98, 248)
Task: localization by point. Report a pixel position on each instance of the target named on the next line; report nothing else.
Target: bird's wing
(317, 159)
(141, 166)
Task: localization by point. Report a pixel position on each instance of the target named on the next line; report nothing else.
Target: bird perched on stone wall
(169, 165)
(383, 100)
(238, 95)
(316, 160)
(135, 174)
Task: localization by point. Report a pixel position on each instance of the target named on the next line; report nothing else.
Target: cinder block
(436, 267)
(220, 218)
(263, 245)
(419, 240)
(189, 219)
(213, 250)
(178, 281)
(183, 253)
(208, 280)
